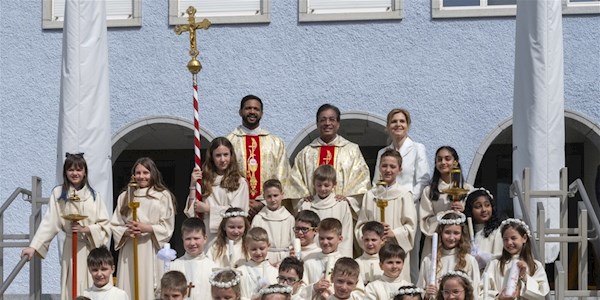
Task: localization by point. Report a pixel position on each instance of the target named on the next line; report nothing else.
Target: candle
(298, 248)
(471, 232)
(434, 246)
(230, 244)
(485, 285)
(510, 283)
(371, 273)
(329, 267)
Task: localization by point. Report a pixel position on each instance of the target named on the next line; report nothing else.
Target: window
(347, 10)
(496, 8)
(221, 11)
(119, 13)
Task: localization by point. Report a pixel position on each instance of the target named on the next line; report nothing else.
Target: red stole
(253, 165)
(326, 155)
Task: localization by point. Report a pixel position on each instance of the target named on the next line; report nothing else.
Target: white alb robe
(486, 248)
(156, 208)
(383, 287)
(536, 286)
(448, 261)
(197, 270)
(237, 255)
(314, 268)
(332, 208)
(52, 223)
(279, 225)
(369, 267)
(256, 276)
(107, 292)
(310, 251)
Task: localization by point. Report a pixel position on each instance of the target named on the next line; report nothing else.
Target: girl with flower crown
(409, 292)
(433, 199)
(481, 207)
(529, 280)
(223, 186)
(452, 253)
(229, 249)
(455, 285)
(153, 228)
(225, 285)
(74, 196)
(276, 292)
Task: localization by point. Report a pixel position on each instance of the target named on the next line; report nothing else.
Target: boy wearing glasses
(291, 271)
(305, 230)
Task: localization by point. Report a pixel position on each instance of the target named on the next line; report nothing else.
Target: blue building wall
(441, 70)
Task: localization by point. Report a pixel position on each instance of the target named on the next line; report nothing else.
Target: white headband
(406, 291)
(227, 284)
(461, 218)
(516, 222)
(276, 290)
(461, 274)
(233, 214)
(480, 189)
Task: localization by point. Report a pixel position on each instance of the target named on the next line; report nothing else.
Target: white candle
(434, 245)
(329, 267)
(471, 232)
(371, 273)
(510, 283)
(230, 244)
(298, 248)
(485, 285)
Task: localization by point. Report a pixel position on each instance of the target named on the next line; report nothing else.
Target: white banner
(538, 105)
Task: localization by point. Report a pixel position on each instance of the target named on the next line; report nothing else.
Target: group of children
(247, 254)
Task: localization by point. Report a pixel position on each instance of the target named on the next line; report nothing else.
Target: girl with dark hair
(223, 186)
(153, 228)
(74, 196)
(433, 199)
(481, 207)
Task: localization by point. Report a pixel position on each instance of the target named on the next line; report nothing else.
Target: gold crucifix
(193, 65)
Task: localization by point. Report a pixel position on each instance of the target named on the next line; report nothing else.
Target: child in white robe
(225, 284)
(229, 249)
(256, 273)
(174, 286)
(290, 273)
(276, 292)
(373, 239)
(153, 228)
(480, 206)
(102, 266)
(194, 264)
(305, 229)
(222, 187)
(455, 285)
(531, 282)
(391, 257)
(408, 292)
(400, 214)
(74, 196)
(326, 205)
(452, 253)
(276, 220)
(319, 267)
(346, 281)
(433, 199)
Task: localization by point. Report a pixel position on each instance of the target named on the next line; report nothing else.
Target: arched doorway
(365, 129)
(492, 165)
(169, 142)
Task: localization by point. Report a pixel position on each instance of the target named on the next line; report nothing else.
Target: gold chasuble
(350, 167)
(261, 156)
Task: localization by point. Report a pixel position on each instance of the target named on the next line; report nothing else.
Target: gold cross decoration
(193, 65)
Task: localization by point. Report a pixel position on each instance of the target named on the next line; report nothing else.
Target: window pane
(502, 2)
(449, 3)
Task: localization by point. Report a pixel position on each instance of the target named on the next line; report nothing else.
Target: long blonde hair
(463, 247)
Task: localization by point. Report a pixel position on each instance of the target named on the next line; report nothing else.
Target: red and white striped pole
(197, 142)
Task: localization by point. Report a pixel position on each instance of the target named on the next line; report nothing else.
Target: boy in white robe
(257, 272)
(276, 220)
(194, 264)
(391, 257)
(291, 271)
(400, 214)
(320, 266)
(305, 229)
(372, 240)
(327, 205)
(101, 265)
(346, 281)
(173, 286)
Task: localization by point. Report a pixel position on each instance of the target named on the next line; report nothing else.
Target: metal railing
(22, 240)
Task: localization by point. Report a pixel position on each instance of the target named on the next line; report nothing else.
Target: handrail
(516, 191)
(13, 274)
(12, 198)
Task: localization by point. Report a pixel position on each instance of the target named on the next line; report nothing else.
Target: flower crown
(461, 274)
(227, 284)
(480, 189)
(233, 214)
(516, 222)
(406, 290)
(276, 290)
(440, 218)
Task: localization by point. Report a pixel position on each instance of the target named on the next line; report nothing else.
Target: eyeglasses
(454, 292)
(304, 229)
(286, 280)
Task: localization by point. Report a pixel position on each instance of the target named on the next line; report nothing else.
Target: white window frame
(483, 10)
(304, 15)
(263, 16)
(52, 21)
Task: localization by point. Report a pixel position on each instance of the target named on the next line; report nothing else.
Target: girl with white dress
(229, 249)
